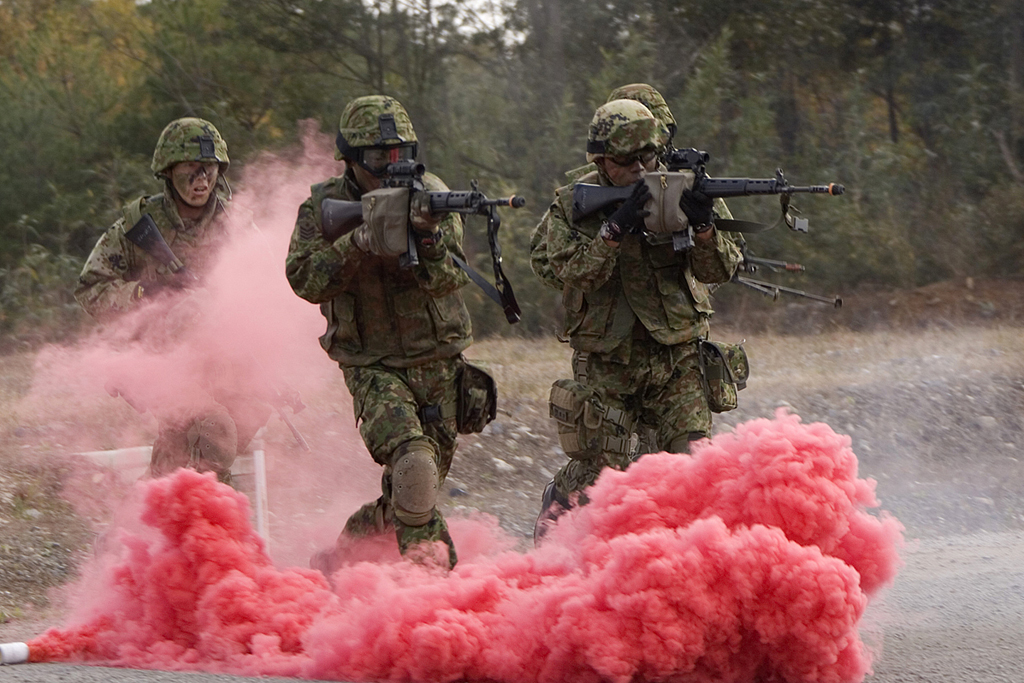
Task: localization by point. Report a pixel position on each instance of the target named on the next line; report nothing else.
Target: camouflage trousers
(389, 404)
(207, 437)
(661, 393)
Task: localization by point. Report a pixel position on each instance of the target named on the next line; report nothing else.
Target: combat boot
(552, 506)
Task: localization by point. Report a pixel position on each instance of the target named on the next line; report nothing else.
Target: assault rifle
(146, 236)
(339, 217)
(588, 199)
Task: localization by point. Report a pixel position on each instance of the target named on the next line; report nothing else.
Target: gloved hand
(698, 208)
(629, 217)
(420, 217)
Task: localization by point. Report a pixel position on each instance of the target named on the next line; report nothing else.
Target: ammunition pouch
(724, 370)
(478, 399)
(386, 214)
(580, 418)
(666, 218)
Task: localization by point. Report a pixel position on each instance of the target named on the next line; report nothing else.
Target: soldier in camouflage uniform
(119, 276)
(648, 96)
(633, 311)
(397, 333)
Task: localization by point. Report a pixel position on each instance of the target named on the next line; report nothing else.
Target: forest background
(916, 106)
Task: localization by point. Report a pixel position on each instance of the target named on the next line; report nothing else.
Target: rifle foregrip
(469, 202)
(737, 187)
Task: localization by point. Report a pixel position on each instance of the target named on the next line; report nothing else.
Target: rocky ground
(929, 385)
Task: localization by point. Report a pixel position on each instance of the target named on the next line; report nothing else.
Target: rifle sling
(505, 298)
(732, 225)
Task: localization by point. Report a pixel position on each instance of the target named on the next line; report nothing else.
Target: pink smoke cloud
(753, 558)
(246, 334)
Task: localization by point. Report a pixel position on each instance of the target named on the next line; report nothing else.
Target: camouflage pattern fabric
(622, 127)
(666, 291)
(189, 139)
(119, 276)
(398, 335)
(539, 261)
(209, 436)
(650, 98)
(376, 311)
(109, 282)
(387, 404)
(659, 389)
(636, 311)
(360, 122)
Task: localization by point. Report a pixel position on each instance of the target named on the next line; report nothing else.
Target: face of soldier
(195, 180)
(624, 171)
(367, 181)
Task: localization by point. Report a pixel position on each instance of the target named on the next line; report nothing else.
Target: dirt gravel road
(935, 417)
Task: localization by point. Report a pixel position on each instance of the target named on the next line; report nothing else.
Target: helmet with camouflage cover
(622, 127)
(649, 97)
(375, 122)
(189, 139)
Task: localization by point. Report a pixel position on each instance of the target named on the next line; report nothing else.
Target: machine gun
(687, 167)
(339, 217)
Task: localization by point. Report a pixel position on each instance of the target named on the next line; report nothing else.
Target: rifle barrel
(745, 187)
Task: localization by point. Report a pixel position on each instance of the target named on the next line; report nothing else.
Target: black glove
(629, 217)
(698, 208)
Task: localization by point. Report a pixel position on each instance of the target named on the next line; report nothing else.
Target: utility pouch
(580, 415)
(386, 214)
(478, 400)
(666, 218)
(724, 370)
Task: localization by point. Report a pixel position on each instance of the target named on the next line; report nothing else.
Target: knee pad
(213, 443)
(414, 482)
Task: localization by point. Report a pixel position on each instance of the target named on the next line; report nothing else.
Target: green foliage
(38, 304)
(918, 108)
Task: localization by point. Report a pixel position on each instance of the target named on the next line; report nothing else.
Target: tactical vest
(384, 316)
(651, 283)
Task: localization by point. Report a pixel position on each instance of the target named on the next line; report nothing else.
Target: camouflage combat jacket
(111, 275)
(376, 311)
(606, 291)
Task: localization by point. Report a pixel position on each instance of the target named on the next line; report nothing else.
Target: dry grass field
(935, 416)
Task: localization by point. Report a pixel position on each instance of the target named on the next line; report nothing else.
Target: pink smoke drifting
(250, 334)
(243, 330)
(752, 559)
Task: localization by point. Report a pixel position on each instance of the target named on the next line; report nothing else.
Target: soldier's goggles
(376, 159)
(643, 157)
